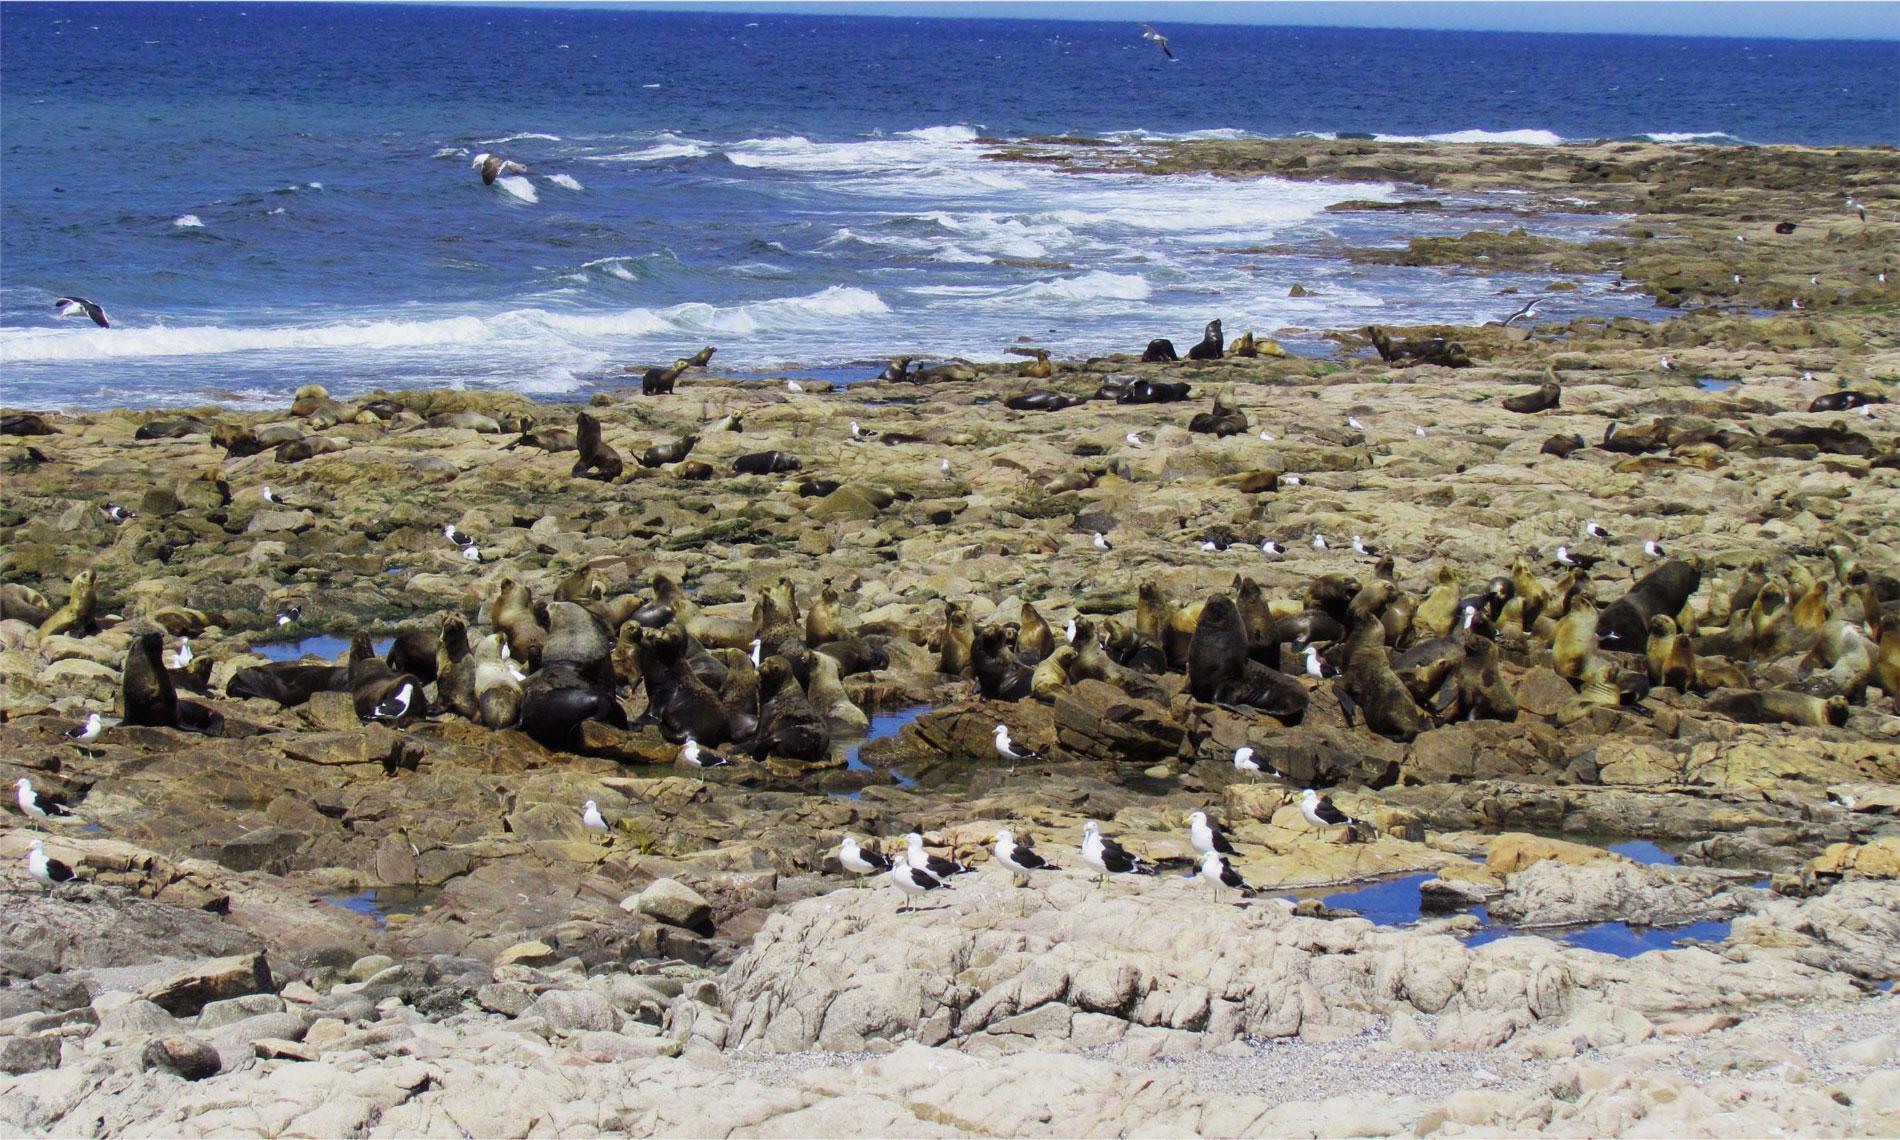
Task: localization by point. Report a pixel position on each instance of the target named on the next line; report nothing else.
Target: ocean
(269, 195)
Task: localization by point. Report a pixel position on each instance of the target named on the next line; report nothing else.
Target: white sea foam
(612, 267)
(1529, 137)
(518, 186)
(1098, 285)
(518, 138)
(188, 222)
(655, 153)
(566, 180)
(451, 152)
(1690, 137)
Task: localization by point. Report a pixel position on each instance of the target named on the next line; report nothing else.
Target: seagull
(472, 553)
(693, 756)
(913, 881)
(1068, 631)
(289, 614)
(1794, 302)
(1101, 541)
(1812, 280)
(1209, 546)
(1418, 430)
(1219, 873)
(273, 497)
(1315, 667)
(1738, 278)
(1009, 751)
(1526, 311)
(493, 166)
(119, 514)
(1105, 856)
(1654, 549)
(944, 467)
(858, 432)
(1148, 33)
(1319, 541)
(1320, 812)
(37, 806)
(592, 820)
(1851, 204)
(1471, 616)
(454, 534)
(1666, 366)
(1594, 529)
(77, 306)
(1359, 547)
(1565, 558)
(1272, 549)
(88, 732)
(1020, 858)
(1207, 837)
(937, 865)
(859, 861)
(395, 706)
(182, 658)
(1266, 436)
(758, 650)
(1244, 761)
(1353, 423)
(45, 870)
(1132, 439)
(1292, 480)
(1866, 411)
(794, 386)
(1808, 376)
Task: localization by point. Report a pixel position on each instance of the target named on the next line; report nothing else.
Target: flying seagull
(1526, 311)
(493, 166)
(1148, 33)
(75, 306)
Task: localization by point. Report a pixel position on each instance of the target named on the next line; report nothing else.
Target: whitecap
(653, 153)
(518, 138)
(567, 180)
(518, 186)
(1527, 137)
(188, 222)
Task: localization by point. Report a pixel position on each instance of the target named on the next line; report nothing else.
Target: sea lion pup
(1052, 677)
(1226, 419)
(1573, 643)
(1131, 649)
(1778, 706)
(1034, 639)
(1038, 369)
(1437, 614)
(22, 603)
(659, 381)
(822, 623)
(897, 371)
(372, 682)
(1219, 669)
(1546, 396)
(512, 612)
(1476, 690)
(827, 696)
(739, 693)
(1244, 345)
(1211, 342)
(958, 641)
(765, 463)
(1159, 351)
(661, 454)
(1562, 446)
(677, 698)
(597, 460)
(788, 725)
(497, 693)
(999, 674)
(75, 615)
(713, 632)
(455, 666)
(1669, 656)
(416, 652)
(1845, 401)
(1624, 624)
(577, 639)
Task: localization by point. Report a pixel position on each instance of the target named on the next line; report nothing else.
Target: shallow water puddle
(1714, 384)
(326, 646)
(378, 903)
(882, 725)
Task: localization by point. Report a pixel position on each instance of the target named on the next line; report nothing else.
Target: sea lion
(1845, 401)
(1842, 662)
(76, 614)
(1476, 690)
(176, 428)
(1152, 392)
(1562, 446)
(465, 421)
(897, 370)
(416, 652)
(1573, 643)
(1000, 675)
(1771, 630)
(1051, 677)
(1211, 342)
(1437, 614)
(1244, 345)
(455, 666)
(1218, 667)
(1778, 706)
(817, 488)
(1784, 228)
(372, 682)
(715, 632)
(597, 460)
(1624, 624)
(826, 694)
(1669, 656)
(659, 381)
(1034, 639)
(577, 639)
(1224, 420)
(1159, 351)
(1169, 626)
(765, 463)
(822, 623)
(512, 612)
(1130, 649)
(148, 695)
(788, 725)
(661, 454)
(693, 471)
(1886, 638)
(1042, 400)
(497, 693)
(549, 439)
(309, 447)
(959, 639)
(24, 424)
(677, 698)
(1368, 683)
(556, 699)
(858, 654)
(23, 603)
(1811, 611)
(288, 683)
(1546, 396)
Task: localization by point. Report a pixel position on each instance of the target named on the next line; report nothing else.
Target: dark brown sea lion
(25, 423)
(999, 674)
(1548, 395)
(1159, 351)
(1152, 392)
(1211, 343)
(765, 463)
(788, 725)
(149, 697)
(1220, 670)
(1562, 446)
(309, 447)
(373, 682)
(1476, 690)
(1224, 420)
(661, 454)
(1845, 401)
(1042, 400)
(597, 460)
(1624, 624)
(288, 683)
(659, 381)
(683, 704)
(556, 699)
(415, 651)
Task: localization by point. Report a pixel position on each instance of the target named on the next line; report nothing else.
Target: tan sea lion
(712, 632)
(455, 669)
(1051, 677)
(1573, 643)
(1034, 638)
(23, 603)
(959, 640)
(1670, 657)
(512, 612)
(77, 612)
(497, 694)
(827, 695)
(1439, 611)
(822, 621)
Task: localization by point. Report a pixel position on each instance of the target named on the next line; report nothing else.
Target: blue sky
(1758, 18)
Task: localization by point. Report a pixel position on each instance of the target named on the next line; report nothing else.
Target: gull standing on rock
(39, 807)
(1101, 541)
(1207, 837)
(1320, 812)
(1272, 549)
(1359, 547)
(859, 861)
(592, 820)
(937, 865)
(46, 871)
(1654, 549)
(1020, 858)
(1106, 857)
(1244, 761)
(913, 882)
(1008, 750)
(85, 734)
(1595, 530)
(119, 514)
(1319, 541)
(693, 756)
(1218, 872)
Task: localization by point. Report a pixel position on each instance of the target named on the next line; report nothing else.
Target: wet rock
(187, 1057)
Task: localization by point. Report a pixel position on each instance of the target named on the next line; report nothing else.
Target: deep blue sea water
(266, 195)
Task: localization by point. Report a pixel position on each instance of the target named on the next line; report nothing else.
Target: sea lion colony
(628, 612)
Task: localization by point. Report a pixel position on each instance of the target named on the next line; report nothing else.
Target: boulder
(186, 993)
(676, 904)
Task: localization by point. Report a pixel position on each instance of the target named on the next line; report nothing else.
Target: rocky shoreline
(351, 907)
